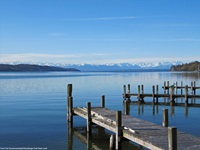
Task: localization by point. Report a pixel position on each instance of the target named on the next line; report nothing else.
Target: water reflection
(187, 75)
(155, 106)
(99, 139)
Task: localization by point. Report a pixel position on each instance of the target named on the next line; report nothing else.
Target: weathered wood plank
(142, 132)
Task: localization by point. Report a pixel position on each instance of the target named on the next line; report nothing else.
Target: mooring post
(126, 108)
(164, 87)
(165, 117)
(89, 117)
(139, 93)
(112, 142)
(142, 88)
(172, 138)
(129, 91)
(181, 87)
(153, 94)
(157, 94)
(69, 90)
(118, 130)
(69, 102)
(70, 107)
(103, 101)
(194, 88)
(129, 88)
(168, 87)
(124, 92)
(186, 94)
(176, 87)
(191, 88)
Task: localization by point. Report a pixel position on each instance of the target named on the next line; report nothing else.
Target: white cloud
(47, 58)
(98, 58)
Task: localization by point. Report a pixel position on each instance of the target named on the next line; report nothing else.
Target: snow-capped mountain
(122, 66)
(142, 66)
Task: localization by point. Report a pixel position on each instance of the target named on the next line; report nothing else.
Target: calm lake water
(33, 106)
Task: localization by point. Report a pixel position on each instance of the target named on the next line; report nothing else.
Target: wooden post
(129, 88)
(181, 87)
(126, 108)
(186, 94)
(172, 138)
(153, 94)
(112, 142)
(69, 103)
(118, 129)
(156, 93)
(194, 87)
(142, 88)
(139, 93)
(103, 101)
(168, 87)
(165, 117)
(89, 117)
(69, 90)
(70, 107)
(129, 91)
(164, 87)
(191, 88)
(176, 87)
(124, 92)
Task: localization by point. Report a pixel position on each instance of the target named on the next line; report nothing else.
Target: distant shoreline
(32, 68)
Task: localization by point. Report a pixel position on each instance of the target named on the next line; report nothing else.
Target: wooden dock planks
(145, 133)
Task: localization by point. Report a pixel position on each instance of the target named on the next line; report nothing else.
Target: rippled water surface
(33, 106)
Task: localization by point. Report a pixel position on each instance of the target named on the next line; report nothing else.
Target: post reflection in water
(157, 106)
(98, 140)
(70, 135)
(155, 109)
(140, 108)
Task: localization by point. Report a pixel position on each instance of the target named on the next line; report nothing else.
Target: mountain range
(143, 66)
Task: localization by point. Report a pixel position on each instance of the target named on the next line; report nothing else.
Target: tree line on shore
(192, 66)
(31, 68)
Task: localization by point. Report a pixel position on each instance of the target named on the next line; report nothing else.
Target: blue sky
(99, 31)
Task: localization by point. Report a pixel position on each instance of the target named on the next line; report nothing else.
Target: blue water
(33, 105)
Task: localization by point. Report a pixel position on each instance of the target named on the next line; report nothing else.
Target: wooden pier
(169, 92)
(144, 133)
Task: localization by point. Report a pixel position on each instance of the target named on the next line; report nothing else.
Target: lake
(33, 108)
